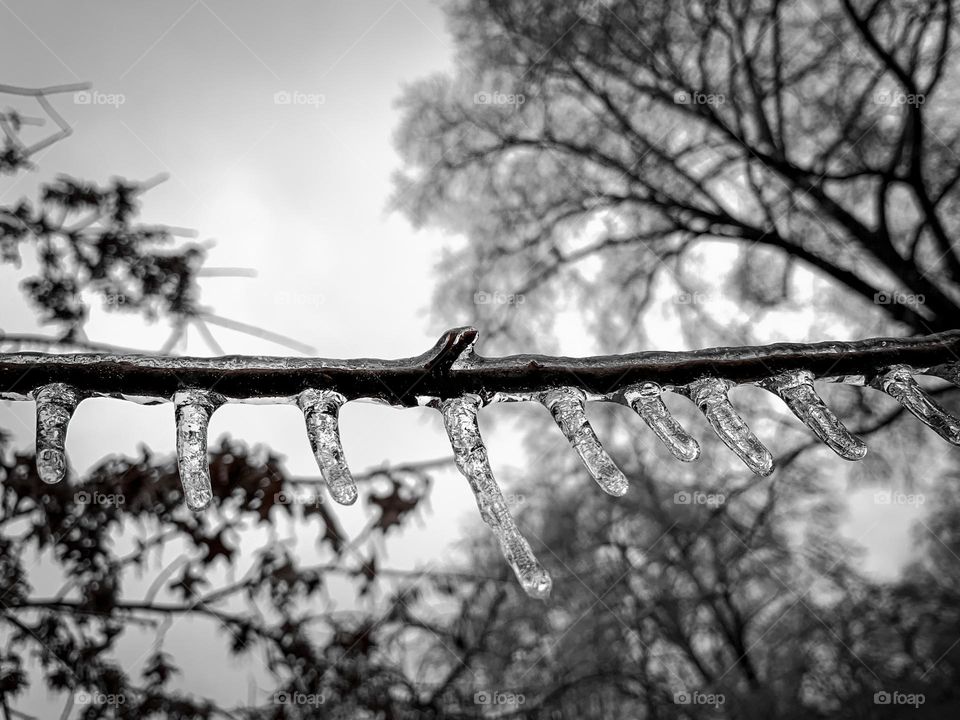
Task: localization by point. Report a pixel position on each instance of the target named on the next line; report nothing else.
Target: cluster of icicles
(193, 408)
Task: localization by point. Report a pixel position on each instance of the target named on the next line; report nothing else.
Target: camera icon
(482, 98)
(281, 698)
(281, 98)
(482, 698)
(81, 498)
(882, 298)
(682, 498)
(481, 298)
(82, 98)
(281, 498)
(681, 698)
(883, 498)
(82, 698)
(681, 97)
(882, 698)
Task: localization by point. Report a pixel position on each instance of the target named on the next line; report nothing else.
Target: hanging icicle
(710, 395)
(899, 384)
(321, 409)
(453, 370)
(568, 410)
(193, 409)
(796, 389)
(470, 454)
(645, 401)
(56, 404)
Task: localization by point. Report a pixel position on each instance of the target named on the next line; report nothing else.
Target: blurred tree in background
(734, 172)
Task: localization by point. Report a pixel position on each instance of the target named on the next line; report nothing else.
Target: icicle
(899, 384)
(710, 395)
(460, 419)
(796, 389)
(567, 407)
(193, 409)
(55, 405)
(645, 401)
(321, 409)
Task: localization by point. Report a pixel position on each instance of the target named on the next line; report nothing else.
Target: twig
(451, 369)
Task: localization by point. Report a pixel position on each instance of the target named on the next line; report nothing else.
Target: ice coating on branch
(710, 395)
(567, 405)
(193, 411)
(55, 405)
(796, 389)
(321, 410)
(470, 454)
(899, 384)
(645, 401)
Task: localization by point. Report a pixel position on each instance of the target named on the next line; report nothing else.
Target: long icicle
(470, 454)
(56, 404)
(645, 400)
(710, 395)
(193, 411)
(899, 384)
(796, 389)
(568, 410)
(321, 410)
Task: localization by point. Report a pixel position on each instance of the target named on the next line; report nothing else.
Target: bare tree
(630, 135)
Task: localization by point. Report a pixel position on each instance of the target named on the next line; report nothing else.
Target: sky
(274, 123)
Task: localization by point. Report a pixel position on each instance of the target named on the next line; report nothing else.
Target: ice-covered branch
(452, 378)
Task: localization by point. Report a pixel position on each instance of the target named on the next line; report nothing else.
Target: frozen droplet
(470, 454)
(193, 409)
(710, 395)
(55, 406)
(567, 407)
(321, 410)
(796, 389)
(899, 384)
(645, 401)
